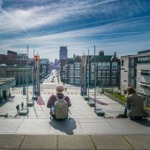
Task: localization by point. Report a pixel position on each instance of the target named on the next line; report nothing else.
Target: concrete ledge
(23, 112)
(99, 112)
(77, 142)
(30, 103)
(34, 97)
(86, 97)
(4, 115)
(91, 103)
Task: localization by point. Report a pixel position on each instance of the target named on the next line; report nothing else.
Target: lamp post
(92, 103)
(94, 77)
(98, 111)
(88, 74)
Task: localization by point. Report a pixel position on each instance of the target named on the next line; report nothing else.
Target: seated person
(53, 98)
(135, 106)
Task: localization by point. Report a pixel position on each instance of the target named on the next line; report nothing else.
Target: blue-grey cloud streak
(111, 25)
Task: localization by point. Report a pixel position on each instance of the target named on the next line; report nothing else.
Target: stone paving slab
(75, 142)
(39, 142)
(139, 141)
(110, 142)
(10, 141)
(78, 142)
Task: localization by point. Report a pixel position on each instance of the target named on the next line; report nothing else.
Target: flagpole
(27, 79)
(95, 76)
(88, 73)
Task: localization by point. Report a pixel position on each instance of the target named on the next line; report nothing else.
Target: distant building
(14, 65)
(22, 75)
(44, 67)
(55, 64)
(63, 61)
(73, 70)
(5, 85)
(135, 72)
(106, 73)
(63, 54)
(12, 58)
(107, 70)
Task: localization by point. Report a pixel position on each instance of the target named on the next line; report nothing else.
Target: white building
(124, 78)
(135, 72)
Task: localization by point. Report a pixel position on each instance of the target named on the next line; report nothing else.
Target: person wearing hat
(60, 95)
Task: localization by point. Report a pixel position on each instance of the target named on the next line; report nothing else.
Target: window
(99, 65)
(77, 73)
(77, 65)
(71, 66)
(92, 67)
(114, 73)
(87, 73)
(114, 65)
(99, 73)
(104, 65)
(92, 76)
(71, 73)
(103, 73)
(71, 80)
(114, 81)
(64, 68)
(108, 81)
(145, 72)
(77, 81)
(108, 73)
(108, 65)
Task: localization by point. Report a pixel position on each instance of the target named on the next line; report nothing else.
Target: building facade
(138, 68)
(105, 69)
(21, 75)
(106, 73)
(73, 70)
(63, 54)
(5, 85)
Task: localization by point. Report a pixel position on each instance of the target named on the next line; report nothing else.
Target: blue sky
(45, 25)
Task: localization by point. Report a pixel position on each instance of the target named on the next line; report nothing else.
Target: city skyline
(111, 25)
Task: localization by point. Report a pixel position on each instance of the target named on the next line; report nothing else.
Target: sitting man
(55, 107)
(135, 106)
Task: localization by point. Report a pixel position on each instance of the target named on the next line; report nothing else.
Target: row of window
(77, 81)
(145, 72)
(105, 81)
(100, 73)
(101, 65)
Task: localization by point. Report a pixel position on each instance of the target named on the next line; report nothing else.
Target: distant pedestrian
(18, 108)
(22, 106)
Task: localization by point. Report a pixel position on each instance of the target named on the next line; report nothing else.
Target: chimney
(101, 53)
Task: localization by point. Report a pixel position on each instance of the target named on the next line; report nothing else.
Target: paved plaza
(83, 130)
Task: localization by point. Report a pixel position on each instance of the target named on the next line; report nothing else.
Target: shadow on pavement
(66, 126)
(144, 122)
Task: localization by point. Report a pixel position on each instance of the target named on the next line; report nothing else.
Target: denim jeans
(125, 111)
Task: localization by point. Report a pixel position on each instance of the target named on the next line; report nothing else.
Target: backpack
(60, 108)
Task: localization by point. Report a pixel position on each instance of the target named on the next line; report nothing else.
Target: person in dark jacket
(134, 106)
